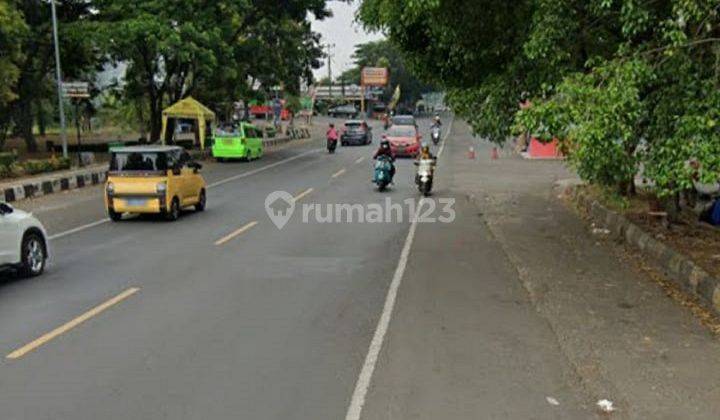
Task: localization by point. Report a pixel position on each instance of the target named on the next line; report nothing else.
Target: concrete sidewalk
(621, 336)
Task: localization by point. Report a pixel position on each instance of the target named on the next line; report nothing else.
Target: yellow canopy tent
(191, 109)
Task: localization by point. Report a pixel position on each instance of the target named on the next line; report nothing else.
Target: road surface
(222, 315)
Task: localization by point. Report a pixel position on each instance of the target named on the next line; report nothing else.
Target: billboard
(374, 76)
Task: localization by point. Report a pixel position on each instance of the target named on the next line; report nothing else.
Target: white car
(23, 242)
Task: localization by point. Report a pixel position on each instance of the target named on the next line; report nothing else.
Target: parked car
(348, 111)
(23, 242)
(404, 120)
(355, 132)
(242, 142)
(153, 179)
(404, 140)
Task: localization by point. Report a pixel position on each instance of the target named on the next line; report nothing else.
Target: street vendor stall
(189, 108)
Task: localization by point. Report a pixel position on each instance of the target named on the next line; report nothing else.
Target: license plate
(228, 142)
(136, 202)
(401, 150)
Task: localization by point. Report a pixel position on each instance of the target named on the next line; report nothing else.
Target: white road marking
(360, 159)
(261, 169)
(78, 229)
(442, 146)
(363, 383)
(338, 173)
(213, 185)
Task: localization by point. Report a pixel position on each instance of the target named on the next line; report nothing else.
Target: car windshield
(401, 131)
(354, 127)
(404, 120)
(137, 161)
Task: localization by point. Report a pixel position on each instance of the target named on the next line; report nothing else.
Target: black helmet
(385, 144)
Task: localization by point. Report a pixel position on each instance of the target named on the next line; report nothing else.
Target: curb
(677, 267)
(31, 188)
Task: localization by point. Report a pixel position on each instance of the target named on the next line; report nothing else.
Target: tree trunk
(41, 117)
(24, 120)
(155, 119)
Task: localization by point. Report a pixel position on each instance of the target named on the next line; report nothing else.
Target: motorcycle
(435, 134)
(383, 170)
(424, 177)
(703, 199)
(331, 145)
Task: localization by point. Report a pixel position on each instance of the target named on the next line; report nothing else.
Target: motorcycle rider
(436, 121)
(386, 150)
(332, 134)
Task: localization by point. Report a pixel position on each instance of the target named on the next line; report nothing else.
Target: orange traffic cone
(494, 153)
(471, 153)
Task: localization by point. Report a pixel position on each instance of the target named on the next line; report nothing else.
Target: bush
(7, 159)
(33, 167)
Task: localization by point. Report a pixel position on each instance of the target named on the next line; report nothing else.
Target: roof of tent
(188, 108)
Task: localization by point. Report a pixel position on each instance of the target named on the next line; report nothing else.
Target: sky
(341, 30)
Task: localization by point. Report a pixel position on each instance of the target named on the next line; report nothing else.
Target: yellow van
(153, 179)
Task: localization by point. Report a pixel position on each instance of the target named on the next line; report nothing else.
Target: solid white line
(213, 185)
(442, 146)
(363, 383)
(258, 170)
(78, 229)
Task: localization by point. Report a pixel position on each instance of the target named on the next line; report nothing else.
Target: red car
(404, 140)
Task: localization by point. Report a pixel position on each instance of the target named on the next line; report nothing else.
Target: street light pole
(329, 56)
(58, 75)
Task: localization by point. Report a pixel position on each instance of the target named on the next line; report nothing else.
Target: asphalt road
(222, 315)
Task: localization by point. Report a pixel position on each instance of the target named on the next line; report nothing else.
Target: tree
(36, 63)
(12, 29)
(214, 50)
(624, 84)
(384, 54)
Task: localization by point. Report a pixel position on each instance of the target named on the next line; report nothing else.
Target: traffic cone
(471, 153)
(494, 153)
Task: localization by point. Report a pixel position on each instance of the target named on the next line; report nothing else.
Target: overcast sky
(342, 31)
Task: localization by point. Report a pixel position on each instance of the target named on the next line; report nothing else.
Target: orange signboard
(374, 76)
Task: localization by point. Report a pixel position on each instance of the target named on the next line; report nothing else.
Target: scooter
(424, 177)
(382, 175)
(331, 145)
(435, 134)
(703, 200)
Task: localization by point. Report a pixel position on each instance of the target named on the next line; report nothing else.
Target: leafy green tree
(216, 51)
(384, 54)
(12, 29)
(36, 63)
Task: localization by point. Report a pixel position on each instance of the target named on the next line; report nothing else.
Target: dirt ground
(699, 241)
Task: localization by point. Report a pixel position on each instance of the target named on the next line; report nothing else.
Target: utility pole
(329, 66)
(58, 75)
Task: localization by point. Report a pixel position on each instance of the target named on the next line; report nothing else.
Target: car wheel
(34, 255)
(114, 216)
(202, 201)
(173, 213)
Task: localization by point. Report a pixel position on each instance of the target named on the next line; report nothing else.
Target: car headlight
(110, 188)
(161, 187)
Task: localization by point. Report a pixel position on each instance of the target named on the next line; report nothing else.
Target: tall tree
(173, 48)
(12, 29)
(37, 61)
